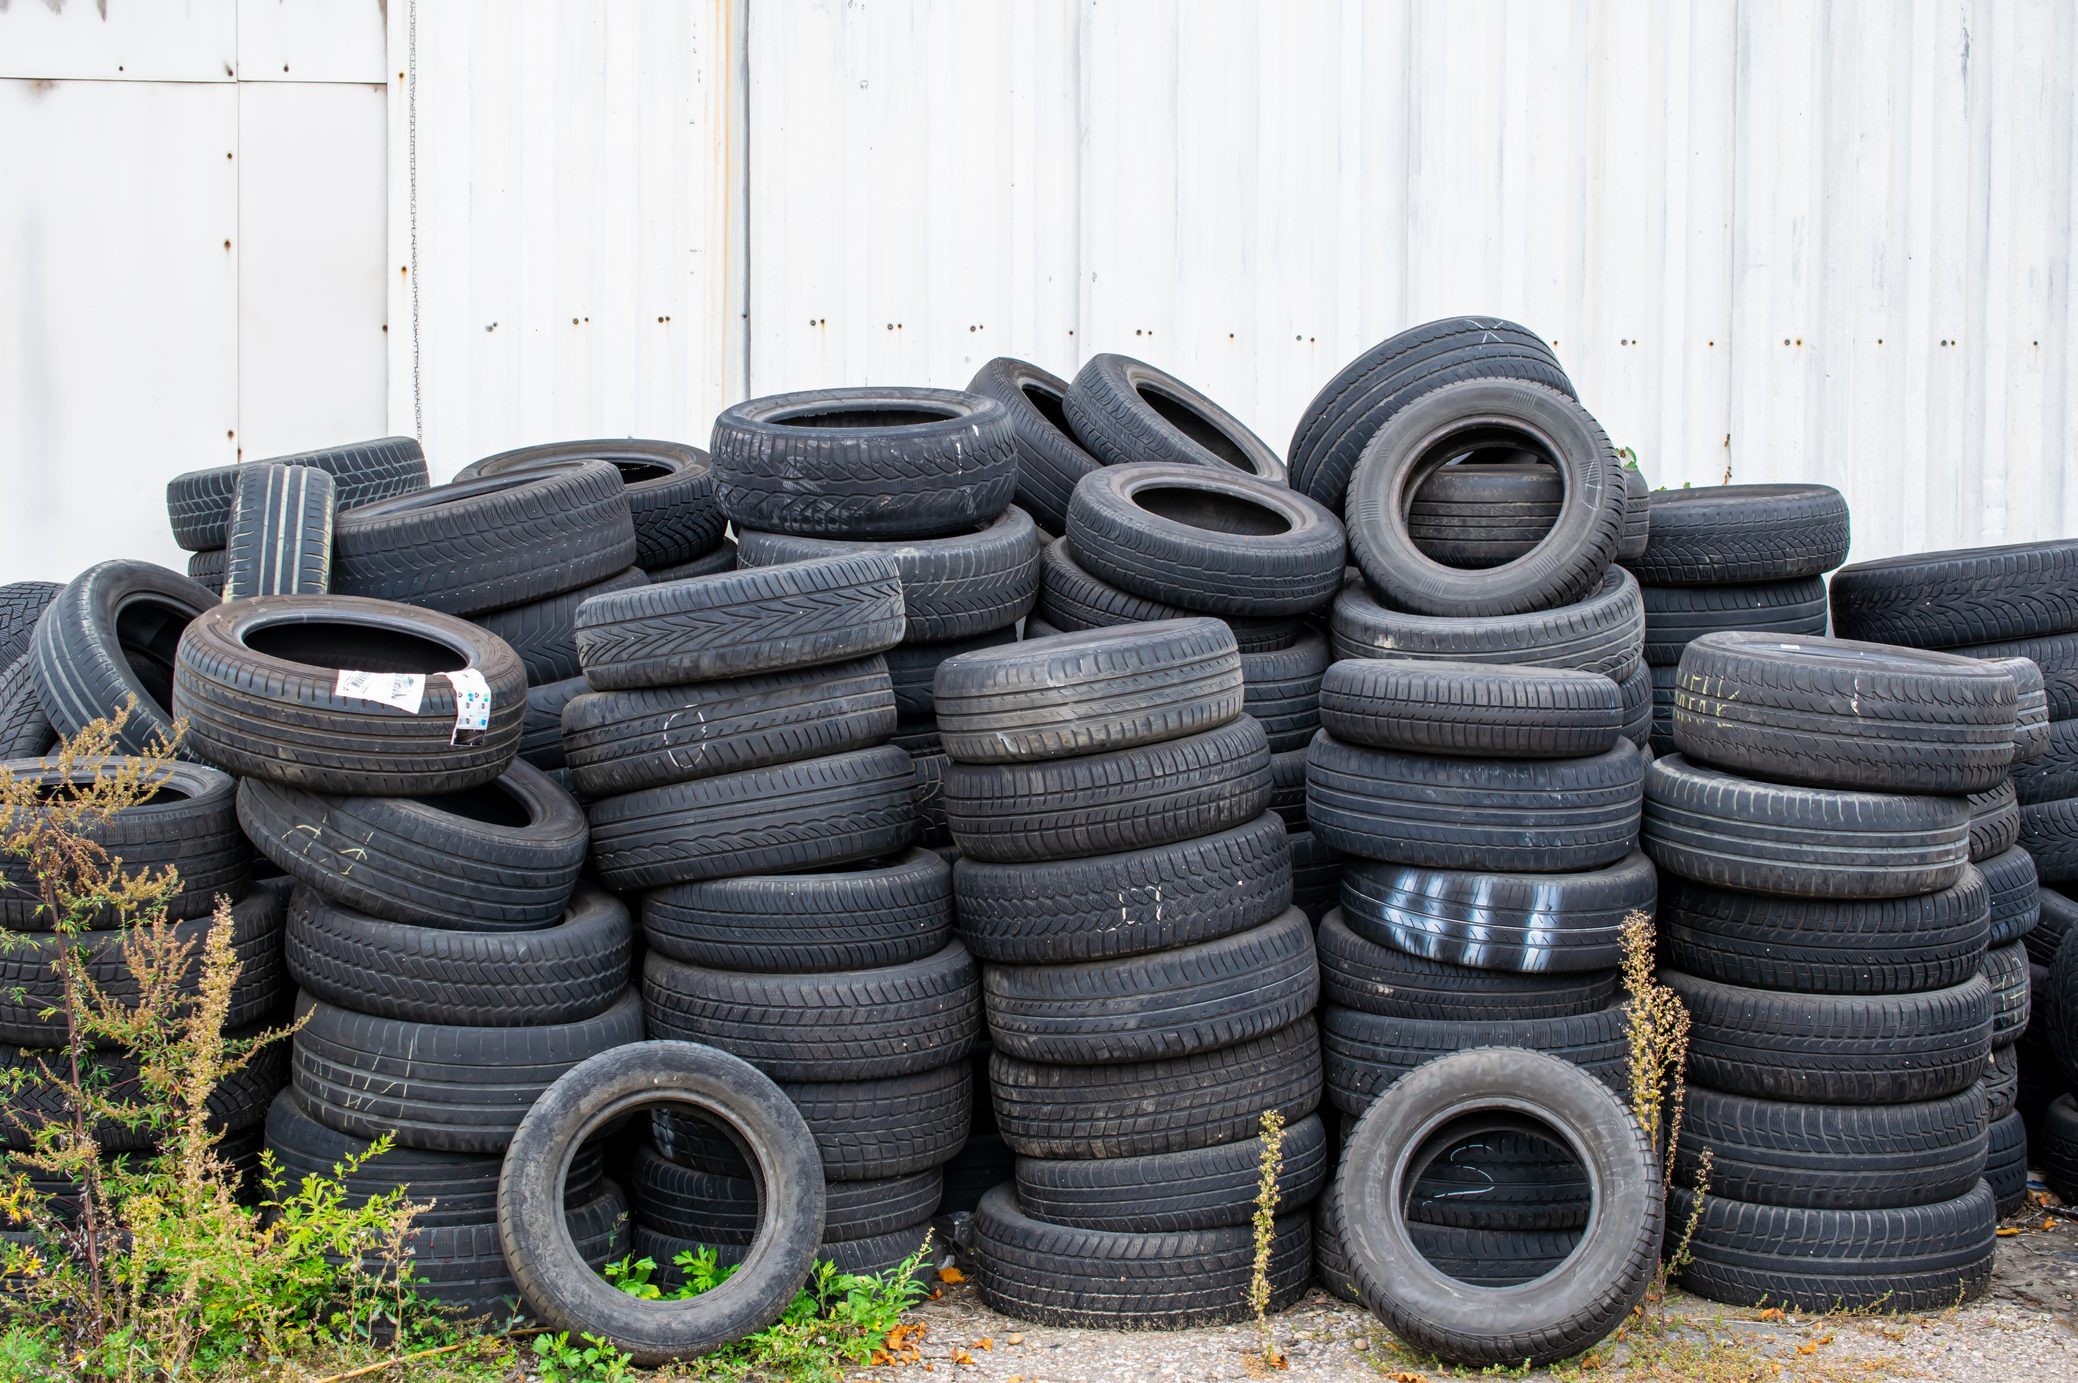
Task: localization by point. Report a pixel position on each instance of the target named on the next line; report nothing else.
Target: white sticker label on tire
(472, 706)
(404, 690)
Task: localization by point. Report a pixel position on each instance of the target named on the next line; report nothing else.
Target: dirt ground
(2025, 1330)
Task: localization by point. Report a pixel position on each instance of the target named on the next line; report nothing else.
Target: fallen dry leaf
(2006, 1232)
(960, 1356)
(985, 1342)
(951, 1275)
(1773, 1313)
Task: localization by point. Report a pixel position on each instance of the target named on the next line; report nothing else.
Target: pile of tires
(1834, 945)
(668, 491)
(1488, 819)
(450, 962)
(1149, 987)
(1732, 558)
(733, 751)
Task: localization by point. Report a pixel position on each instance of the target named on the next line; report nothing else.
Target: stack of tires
(1732, 557)
(733, 750)
(451, 964)
(1821, 921)
(199, 503)
(1150, 989)
(1488, 817)
(2013, 601)
(678, 532)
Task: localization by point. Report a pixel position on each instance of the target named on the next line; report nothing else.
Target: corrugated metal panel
(561, 176)
(1771, 240)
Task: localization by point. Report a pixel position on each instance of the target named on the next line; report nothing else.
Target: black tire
(1316, 875)
(1528, 923)
(1970, 596)
(486, 544)
(1363, 1054)
(109, 636)
(1203, 1188)
(454, 1188)
(1110, 906)
(670, 490)
(871, 1255)
(1281, 690)
(22, 603)
(1349, 410)
(1106, 803)
(2059, 986)
(2053, 774)
(1088, 693)
(1585, 1295)
(1637, 513)
(1636, 694)
(501, 858)
(1049, 459)
(625, 741)
(1909, 1258)
(714, 563)
(1501, 1183)
(442, 1087)
(206, 569)
(32, 987)
(279, 541)
(1364, 974)
(544, 632)
(1067, 1276)
(1206, 540)
(864, 1129)
(1676, 616)
(1166, 1004)
(876, 462)
(25, 731)
(1568, 562)
(2058, 918)
(1478, 709)
(461, 1267)
(1124, 410)
(834, 1025)
(551, 1271)
(1840, 714)
(912, 668)
(1835, 1048)
(2055, 656)
(2005, 1165)
(1602, 633)
(239, 1101)
(850, 806)
(844, 917)
(716, 1209)
(188, 825)
(2059, 1148)
(199, 502)
(1168, 1105)
(2031, 723)
(953, 587)
(1723, 534)
(1833, 1156)
(1540, 815)
(541, 733)
(561, 974)
(751, 620)
(2001, 1082)
(258, 682)
(1741, 833)
(1826, 946)
(2006, 971)
(1480, 514)
(1070, 599)
(2049, 833)
(1994, 822)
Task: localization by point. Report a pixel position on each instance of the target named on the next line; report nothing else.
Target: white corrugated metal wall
(1771, 239)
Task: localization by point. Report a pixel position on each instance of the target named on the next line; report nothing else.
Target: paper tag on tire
(404, 690)
(472, 706)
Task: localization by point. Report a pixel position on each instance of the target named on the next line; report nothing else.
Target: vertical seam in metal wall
(418, 416)
(742, 182)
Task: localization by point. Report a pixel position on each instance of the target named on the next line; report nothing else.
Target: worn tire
(199, 502)
(1107, 803)
(722, 559)
(670, 490)
(1202, 1188)
(1835, 1048)
(1676, 616)
(501, 858)
(864, 1129)
(1477, 709)
(111, 635)
(1280, 688)
(280, 537)
(22, 603)
(1601, 633)
(544, 632)
(1717, 535)
(25, 731)
(1741, 833)
(1527, 923)
(912, 668)
(1088, 693)
(1049, 459)
(1359, 972)
(1970, 596)
(1070, 599)
(1540, 815)
(1365, 1054)
(1124, 410)
(843, 917)
(1994, 822)
(1833, 1156)
(874, 462)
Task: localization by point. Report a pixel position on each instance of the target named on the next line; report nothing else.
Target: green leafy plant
(592, 1361)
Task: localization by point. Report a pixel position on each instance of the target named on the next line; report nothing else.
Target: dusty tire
(1477, 709)
(1721, 534)
(110, 635)
(1203, 1188)
(1971, 596)
(1070, 599)
(280, 537)
(1601, 633)
(1528, 923)
(1049, 459)
(1123, 410)
(198, 503)
(670, 490)
(842, 917)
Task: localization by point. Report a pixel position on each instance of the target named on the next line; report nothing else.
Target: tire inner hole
(867, 417)
(148, 633)
(355, 647)
(490, 805)
(1196, 426)
(693, 1188)
(1496, 1207)
(1050, 407)
(1211, 510)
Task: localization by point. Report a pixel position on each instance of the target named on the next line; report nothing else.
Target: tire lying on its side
(1364, 1054)
(22, 603)
(259, 683)
(1573, 1306)
(841, 917)
(1676, 616)
(1530, 923)
(670, 490)
(864, 1129)
(198, 503)
(1603, 632)
(1071, 599)
(1202, 1188)
(25, 731)
(1361, 973)
(1970, 596)
(1742, 833)
(1724, 534)
(1124, 410)
(1478, 709)
(544, 632)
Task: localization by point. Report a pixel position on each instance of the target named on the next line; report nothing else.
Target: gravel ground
(2026, 1328)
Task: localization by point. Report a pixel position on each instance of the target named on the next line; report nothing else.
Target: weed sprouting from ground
(1269, 1169)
